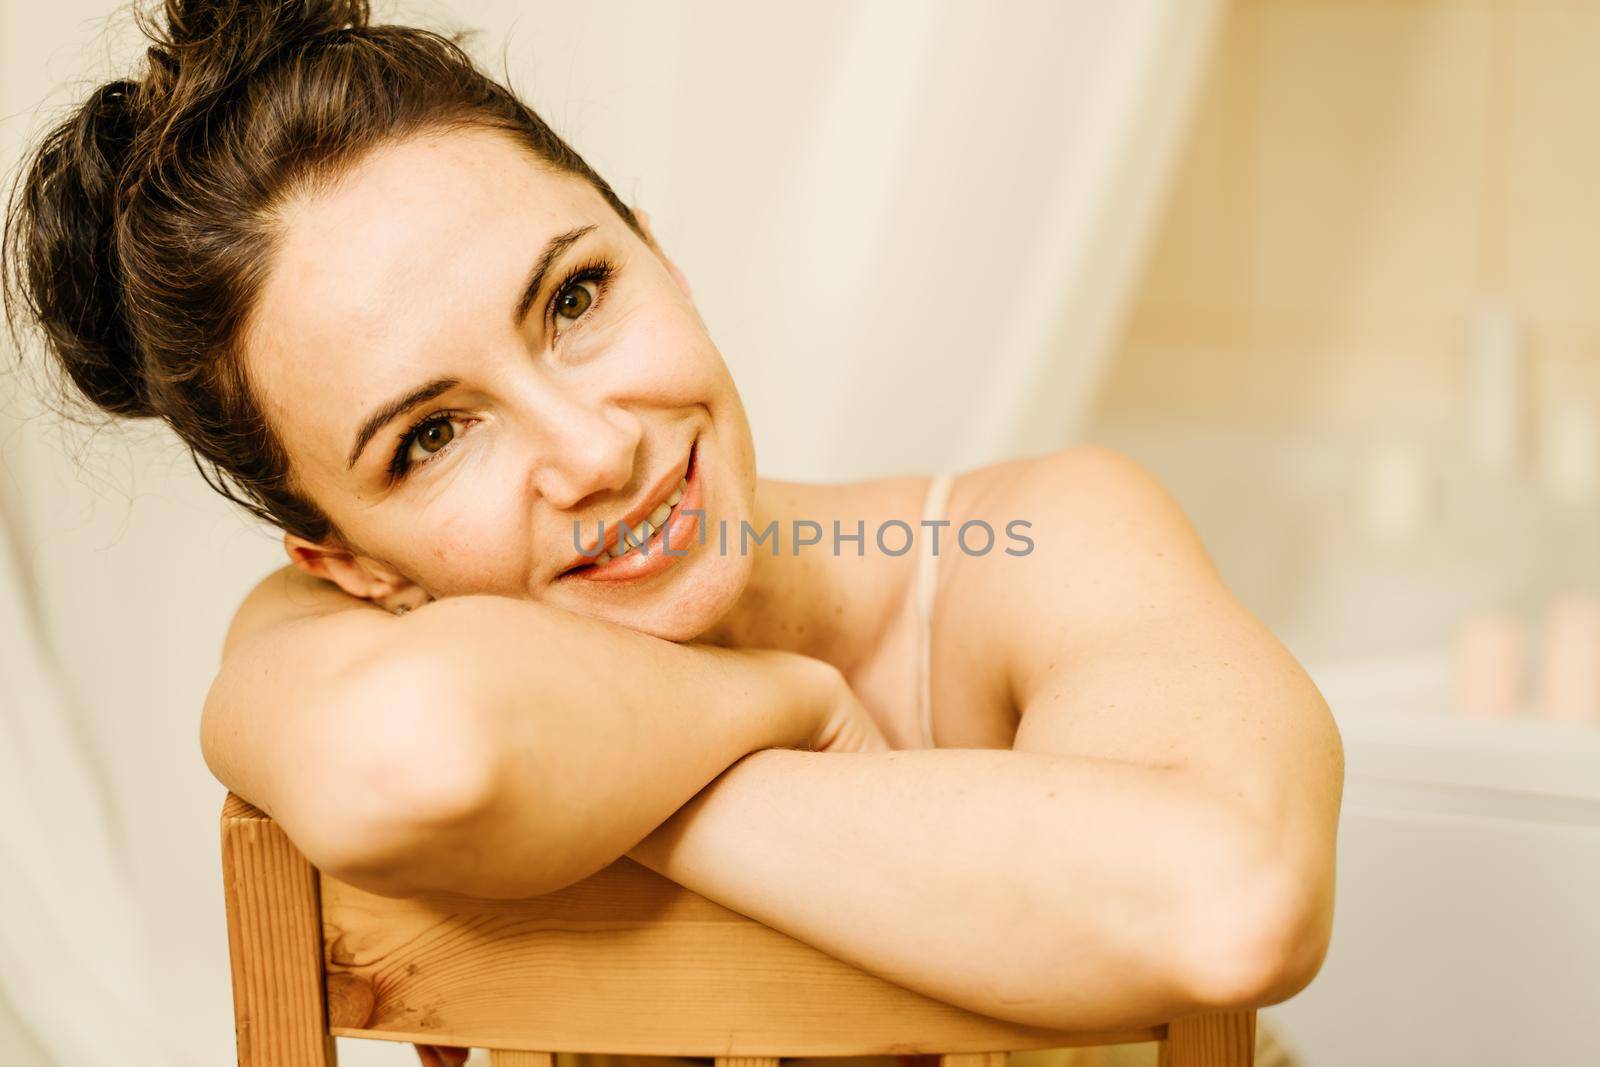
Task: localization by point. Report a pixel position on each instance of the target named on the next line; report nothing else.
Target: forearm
(587, 735)
(1044, 889)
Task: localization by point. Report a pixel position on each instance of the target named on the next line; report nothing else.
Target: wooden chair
(623, 962)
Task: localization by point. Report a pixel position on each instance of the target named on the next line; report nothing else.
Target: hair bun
(61, 264)
(62, 237)
(208, 46)
(205, 22)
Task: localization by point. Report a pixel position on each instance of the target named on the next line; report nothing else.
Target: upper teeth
(633, 537)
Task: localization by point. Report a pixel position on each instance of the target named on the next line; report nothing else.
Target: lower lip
(652, 558)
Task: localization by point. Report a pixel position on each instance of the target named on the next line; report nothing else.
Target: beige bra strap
(927, 581)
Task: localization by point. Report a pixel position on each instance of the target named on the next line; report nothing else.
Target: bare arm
(1159, 842)
(1050, 890)
(480, 744)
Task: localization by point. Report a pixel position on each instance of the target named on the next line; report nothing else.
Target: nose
(586, 449)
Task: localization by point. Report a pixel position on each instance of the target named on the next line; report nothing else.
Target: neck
(832, 606)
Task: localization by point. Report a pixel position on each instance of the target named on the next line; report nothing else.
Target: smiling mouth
(644, 550)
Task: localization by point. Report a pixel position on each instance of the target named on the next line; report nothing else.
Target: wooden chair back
(624, 962)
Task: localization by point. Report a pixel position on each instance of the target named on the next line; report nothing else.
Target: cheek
(474, 543)
(665, 357)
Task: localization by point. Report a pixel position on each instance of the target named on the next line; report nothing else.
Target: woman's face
(466, 353)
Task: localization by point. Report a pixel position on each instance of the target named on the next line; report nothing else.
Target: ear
(672, 268)
(357, 575)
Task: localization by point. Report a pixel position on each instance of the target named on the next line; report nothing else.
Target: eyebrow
(421, 395)
(530, 292)
(395, 408)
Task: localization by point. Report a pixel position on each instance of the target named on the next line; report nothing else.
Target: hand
(801, 702)
(844, 724)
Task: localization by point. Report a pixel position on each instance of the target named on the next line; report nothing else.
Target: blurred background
(1325, 266)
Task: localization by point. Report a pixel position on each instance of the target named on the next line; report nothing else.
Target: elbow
(1258, 938)
(406, 779)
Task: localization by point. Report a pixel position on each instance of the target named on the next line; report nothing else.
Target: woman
(395, 315)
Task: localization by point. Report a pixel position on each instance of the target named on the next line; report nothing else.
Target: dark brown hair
(141, 228)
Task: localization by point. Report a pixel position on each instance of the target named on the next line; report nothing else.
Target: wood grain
(627, 962)
(974, 1059)
(1224, 1039)
(274, 944)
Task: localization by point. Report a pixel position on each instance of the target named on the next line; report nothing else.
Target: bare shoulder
(1087, 508)
(1108, 549)
(286, 595)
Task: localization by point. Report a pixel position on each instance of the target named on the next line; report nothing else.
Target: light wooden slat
(1223, 1039)
(628, 962)
(973, 1059)
(625, 961)
(274, 944)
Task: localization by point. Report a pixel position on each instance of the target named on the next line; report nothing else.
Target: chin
(681, 600)
(686, 608)
(698, 609)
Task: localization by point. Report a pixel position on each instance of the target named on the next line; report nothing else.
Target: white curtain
(912, 227)
(73, 964)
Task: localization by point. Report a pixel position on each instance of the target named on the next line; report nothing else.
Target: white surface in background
(1467, 926)
(61, 928)
(862, 197)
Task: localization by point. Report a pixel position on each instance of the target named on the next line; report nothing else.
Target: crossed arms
(1158, 841)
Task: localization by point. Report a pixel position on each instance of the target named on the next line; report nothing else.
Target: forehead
(377, 277)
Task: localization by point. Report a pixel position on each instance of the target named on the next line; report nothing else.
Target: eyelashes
(401, 461)
(598, 272)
